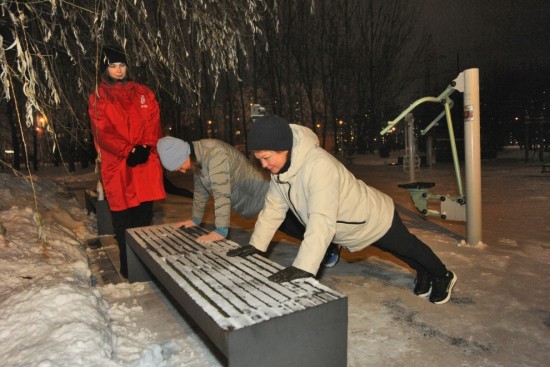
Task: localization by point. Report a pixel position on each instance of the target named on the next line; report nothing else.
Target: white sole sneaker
(427, 294)
(449, 290)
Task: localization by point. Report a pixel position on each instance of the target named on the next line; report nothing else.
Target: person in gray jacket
(334, 207)
(223, 172)
(219, 170)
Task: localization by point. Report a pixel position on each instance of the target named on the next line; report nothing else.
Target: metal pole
(429, 151)
(410, 148)
(472, 156)
(452, 139)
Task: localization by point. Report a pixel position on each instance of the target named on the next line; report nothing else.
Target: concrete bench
(250, 320)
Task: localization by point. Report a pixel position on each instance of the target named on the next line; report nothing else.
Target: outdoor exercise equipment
(454, 207)
(411, 160)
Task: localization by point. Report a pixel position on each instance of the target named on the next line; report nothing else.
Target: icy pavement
(499, 314)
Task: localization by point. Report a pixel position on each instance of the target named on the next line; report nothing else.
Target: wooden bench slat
(246, 285)
(225, 310)
(250, 298)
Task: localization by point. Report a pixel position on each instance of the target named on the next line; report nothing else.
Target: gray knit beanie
(173, 152)
(270, 132)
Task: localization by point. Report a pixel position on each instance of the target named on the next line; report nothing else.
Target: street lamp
(41, 122)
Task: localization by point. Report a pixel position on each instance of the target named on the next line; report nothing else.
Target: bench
(252, 321)
(101, 210)
(545, 167)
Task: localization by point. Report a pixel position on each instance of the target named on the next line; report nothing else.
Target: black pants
(138, 216)
(292, 226)
(408, 248)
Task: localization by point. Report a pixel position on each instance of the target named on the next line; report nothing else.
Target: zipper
(290, 201)
(297, 213)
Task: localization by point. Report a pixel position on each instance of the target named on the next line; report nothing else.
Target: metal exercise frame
(451, 207)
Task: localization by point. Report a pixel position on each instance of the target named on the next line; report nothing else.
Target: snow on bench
(251, 320)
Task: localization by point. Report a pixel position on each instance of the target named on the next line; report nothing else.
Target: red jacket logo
(142, 100)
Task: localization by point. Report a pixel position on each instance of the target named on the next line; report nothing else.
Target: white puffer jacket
(328, 199)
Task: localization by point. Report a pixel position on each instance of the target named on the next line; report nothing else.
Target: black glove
(288, 274)
(243, 251)
(139, 155)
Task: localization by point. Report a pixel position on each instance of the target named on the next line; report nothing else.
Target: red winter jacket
(124, 115)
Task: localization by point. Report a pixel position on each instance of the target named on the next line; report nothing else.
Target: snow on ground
(52, 314)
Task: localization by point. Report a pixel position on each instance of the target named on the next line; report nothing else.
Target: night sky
(485, 33)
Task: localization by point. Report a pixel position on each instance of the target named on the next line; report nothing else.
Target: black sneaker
(422, 283)
(442, 287)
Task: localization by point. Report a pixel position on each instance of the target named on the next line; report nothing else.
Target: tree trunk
(14, 127)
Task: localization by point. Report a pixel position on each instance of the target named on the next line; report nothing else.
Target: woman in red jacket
(125, 121)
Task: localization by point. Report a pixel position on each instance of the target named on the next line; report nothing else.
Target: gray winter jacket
(332, 204)
(227, 175)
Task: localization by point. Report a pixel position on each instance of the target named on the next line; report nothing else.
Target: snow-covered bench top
(253, 321)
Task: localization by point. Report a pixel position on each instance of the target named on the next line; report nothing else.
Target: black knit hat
(270, 132)
(111, 55)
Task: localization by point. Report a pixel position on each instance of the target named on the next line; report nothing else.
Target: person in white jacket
(334, 206)
(224, 173)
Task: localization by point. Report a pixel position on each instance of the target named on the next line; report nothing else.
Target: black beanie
(270, 132)
(111, 55)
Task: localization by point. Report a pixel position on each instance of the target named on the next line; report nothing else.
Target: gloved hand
(243, 251)
(138, 155)
(288, 274)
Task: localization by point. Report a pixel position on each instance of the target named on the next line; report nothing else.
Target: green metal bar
(436, 120)
(446, 93)
(404, 113)
(453, 148)
(433, 123)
